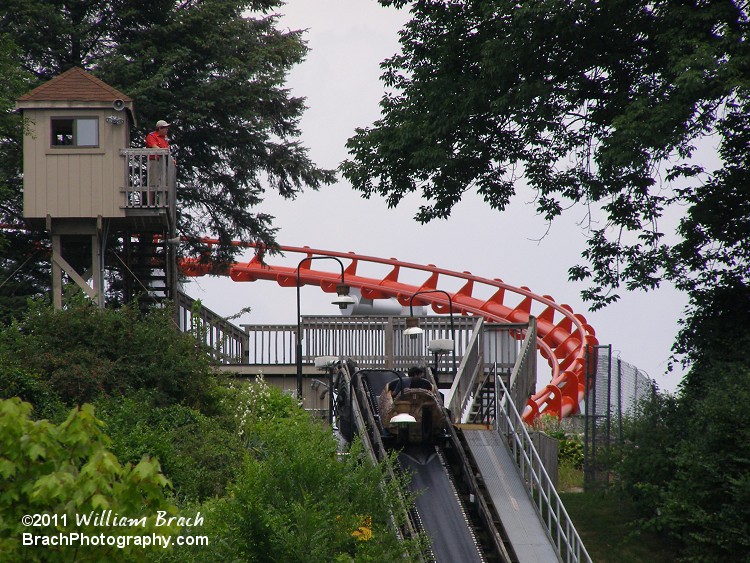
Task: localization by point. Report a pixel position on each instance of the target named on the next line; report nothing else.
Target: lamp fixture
(343, 299)
(325, 362)
(412, 327)
(437, 346)
(441, 345)
(403, 418)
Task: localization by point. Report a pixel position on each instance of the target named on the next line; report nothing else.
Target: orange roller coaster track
(564, 337)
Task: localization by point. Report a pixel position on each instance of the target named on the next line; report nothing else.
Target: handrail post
(525, 460)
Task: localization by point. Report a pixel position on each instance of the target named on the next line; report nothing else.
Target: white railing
(462, 392)
(493, 347)
(522, 381)
(375, 342)
(541, 489)
(149, 179)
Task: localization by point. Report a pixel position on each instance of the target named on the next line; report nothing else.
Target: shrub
(296, 498)
(198, 454)
(17, 381)
(84, 352)
(65, 470)
(570, 445)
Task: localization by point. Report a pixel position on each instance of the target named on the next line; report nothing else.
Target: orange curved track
(564, 337)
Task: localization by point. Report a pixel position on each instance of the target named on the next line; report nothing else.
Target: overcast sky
(348, 39)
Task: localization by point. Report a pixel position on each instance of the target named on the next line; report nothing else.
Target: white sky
(348, 39)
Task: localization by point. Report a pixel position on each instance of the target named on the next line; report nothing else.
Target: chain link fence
(613, 391)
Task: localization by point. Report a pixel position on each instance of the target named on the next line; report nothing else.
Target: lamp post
(343, 300)
(412, 324)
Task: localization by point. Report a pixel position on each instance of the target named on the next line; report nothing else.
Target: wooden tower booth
(101, 201)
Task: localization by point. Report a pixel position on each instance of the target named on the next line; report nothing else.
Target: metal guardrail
(541, 489)
(492, 347)
(522, 381)
(463, 390)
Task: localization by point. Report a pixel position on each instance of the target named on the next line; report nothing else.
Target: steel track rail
(566, 340)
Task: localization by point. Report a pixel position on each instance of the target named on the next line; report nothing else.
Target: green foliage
(65, 470)
(17, 381)
(20, 274)
(259, 404)
(198, 453)
(607, 104)
(296, 498)
(570, 444)
(83, 352)
(685, 464)
(648, 461)
(715, 332)
(571, 453)
(707, 504)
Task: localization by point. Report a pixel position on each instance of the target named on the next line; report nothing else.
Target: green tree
(215, 69)
(201, 455)
(64, 470)
(706, 506)
(685, 464)
(647, 463)
(22, 273)
(83, 352)
(600, 104)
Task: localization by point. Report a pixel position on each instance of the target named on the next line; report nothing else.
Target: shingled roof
(74, 85)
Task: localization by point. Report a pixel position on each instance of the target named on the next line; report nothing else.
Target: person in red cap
(157, 139)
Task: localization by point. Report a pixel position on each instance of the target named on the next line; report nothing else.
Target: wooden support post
(96, 266)
(388, 344)
(56, 273)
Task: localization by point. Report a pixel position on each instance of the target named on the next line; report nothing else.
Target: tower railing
(150, 179)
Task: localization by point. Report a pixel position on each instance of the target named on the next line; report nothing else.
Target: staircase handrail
(460, 394)
(550, 509)
(226, 341)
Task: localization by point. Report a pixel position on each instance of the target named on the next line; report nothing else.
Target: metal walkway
(517, 513)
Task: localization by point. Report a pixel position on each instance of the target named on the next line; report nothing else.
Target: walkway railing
(541, 489)
(375, 342)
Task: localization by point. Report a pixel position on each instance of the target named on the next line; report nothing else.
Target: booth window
(75, 132)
